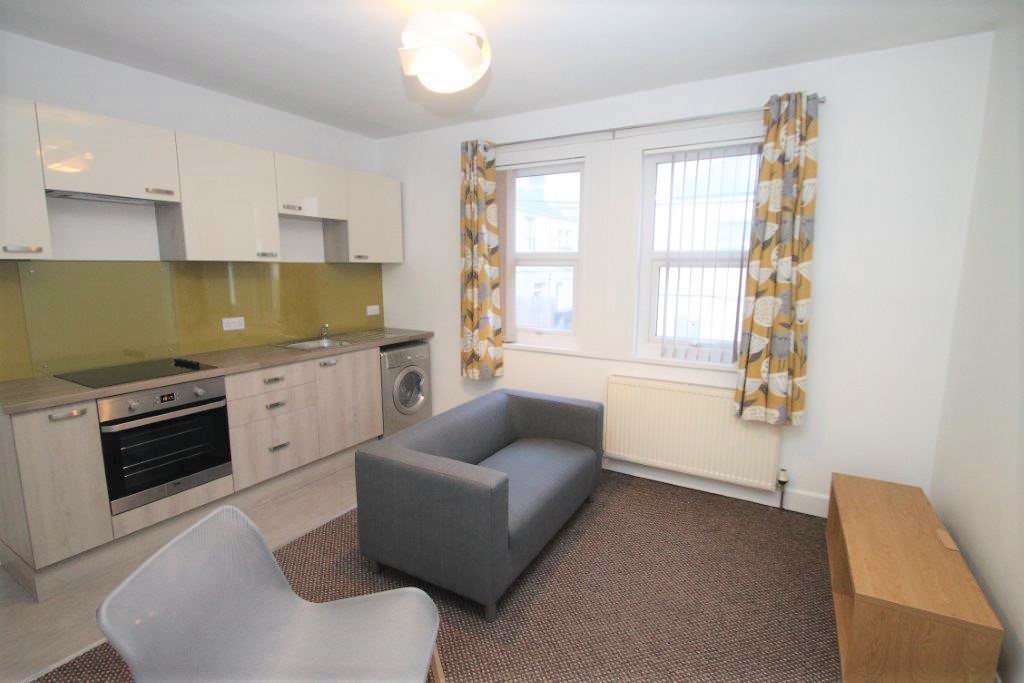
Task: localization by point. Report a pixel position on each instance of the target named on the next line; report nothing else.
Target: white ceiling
(335, 61)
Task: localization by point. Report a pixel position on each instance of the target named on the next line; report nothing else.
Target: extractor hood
(66, 194)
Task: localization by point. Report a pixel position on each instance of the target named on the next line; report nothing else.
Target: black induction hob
(133, 372)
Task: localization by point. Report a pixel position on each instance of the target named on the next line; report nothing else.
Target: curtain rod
(613, 131)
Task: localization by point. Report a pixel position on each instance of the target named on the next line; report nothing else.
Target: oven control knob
(133, 406)
(199, 392)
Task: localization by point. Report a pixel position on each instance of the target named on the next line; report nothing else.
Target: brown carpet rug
(649, 582)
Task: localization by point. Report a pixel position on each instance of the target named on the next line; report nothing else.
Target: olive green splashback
(280, 301)
(66, 315)
(15, 357)
(87, 314)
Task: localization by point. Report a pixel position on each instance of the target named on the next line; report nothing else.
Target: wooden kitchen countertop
(40, 393)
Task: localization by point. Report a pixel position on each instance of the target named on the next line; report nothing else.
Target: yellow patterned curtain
(772, 381)
(482, 336)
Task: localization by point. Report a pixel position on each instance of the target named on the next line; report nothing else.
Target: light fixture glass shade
(447, 51)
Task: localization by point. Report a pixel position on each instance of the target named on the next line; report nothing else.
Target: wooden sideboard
(907, 607)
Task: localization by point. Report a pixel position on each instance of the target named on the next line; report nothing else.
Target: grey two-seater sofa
(466, 499)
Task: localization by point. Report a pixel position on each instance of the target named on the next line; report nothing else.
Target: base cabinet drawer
(257, 382)
(266, 448)
(271, 404)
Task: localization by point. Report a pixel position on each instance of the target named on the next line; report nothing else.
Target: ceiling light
(447, 51)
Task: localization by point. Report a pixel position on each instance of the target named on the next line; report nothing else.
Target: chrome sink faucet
(325, 329)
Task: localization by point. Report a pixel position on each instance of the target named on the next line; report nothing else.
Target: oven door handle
(163, 417)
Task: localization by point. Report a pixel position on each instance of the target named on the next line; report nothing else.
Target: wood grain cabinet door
(348, 400)
(61, 462)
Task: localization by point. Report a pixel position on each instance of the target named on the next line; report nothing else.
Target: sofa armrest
(444, 520)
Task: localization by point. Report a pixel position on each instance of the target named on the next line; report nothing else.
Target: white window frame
(648, 344)
(508, 173)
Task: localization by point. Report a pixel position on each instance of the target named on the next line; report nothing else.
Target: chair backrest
(193, 596)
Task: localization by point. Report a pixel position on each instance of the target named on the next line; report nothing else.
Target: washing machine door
(410, 392)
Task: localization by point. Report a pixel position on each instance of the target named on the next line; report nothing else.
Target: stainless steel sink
(314, 344)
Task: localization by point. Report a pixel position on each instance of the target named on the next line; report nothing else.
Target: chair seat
(345, 640)
(547, 481)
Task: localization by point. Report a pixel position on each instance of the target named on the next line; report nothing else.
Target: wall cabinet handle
(279, 446)
(77, 412)
(362, 257)
(277, 404)
(159, 190)
(291, 207)
(22, 249)
(273, 380)
(328, 363)
(266, 254)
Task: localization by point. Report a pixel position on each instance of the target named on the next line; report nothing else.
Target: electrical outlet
(231, 324)
(373, 310)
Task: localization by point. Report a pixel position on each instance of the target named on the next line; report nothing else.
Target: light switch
(373, 310)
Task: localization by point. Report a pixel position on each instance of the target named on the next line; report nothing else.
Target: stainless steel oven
(159, 442)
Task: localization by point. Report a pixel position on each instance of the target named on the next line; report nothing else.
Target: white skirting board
(807, 502)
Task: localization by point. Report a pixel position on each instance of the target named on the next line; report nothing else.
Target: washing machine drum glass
(410, 390)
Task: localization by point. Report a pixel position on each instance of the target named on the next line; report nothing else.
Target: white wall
(892, 210)
(39, 71)
(979, 468)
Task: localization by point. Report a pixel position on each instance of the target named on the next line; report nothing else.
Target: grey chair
(213, 605)
(466, 499)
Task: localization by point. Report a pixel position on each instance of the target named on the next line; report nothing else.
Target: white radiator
(688, 428)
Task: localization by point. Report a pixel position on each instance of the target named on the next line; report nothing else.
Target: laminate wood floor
(35, 637)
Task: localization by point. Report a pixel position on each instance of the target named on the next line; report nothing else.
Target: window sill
(727, 368)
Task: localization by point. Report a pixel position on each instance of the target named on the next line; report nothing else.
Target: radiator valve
(783, 480)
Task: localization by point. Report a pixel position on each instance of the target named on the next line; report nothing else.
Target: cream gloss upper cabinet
(228, 206)
(94, 154)
(24, 226)
(311, 189)
(374, 230)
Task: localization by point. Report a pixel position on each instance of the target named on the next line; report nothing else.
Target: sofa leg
(490, 611)
(376, 567)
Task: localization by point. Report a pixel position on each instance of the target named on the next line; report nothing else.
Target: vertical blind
(703, 209)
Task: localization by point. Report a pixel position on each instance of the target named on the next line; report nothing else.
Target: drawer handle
(328, 363)
(22, 249)
(77, 412)
(277, 404)
(266, 254)
(291, 207)
(362, 256)
(279, 446)
(273, 380)
(159, 190)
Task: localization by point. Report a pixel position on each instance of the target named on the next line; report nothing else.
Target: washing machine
(405, 385)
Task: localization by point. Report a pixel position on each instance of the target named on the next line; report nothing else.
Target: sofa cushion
(548, 479)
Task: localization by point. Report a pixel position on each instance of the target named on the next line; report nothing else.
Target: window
(542, 209)
(697, 209)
